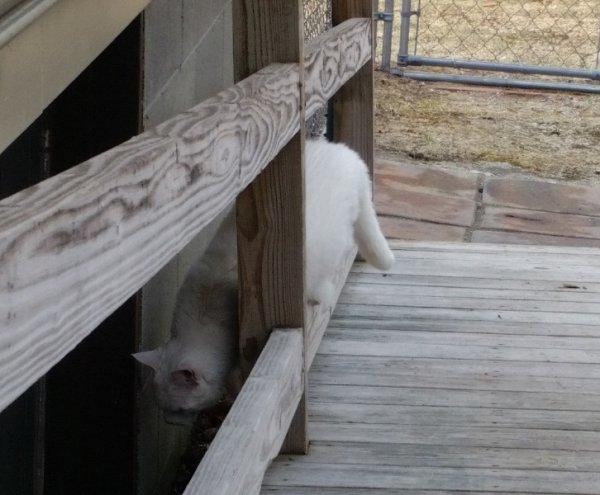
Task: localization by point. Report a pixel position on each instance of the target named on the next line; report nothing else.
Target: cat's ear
(185, 377)
(149, 358)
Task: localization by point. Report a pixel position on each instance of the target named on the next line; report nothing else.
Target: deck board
(470, 370)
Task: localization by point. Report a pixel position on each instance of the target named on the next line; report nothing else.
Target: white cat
(192, 369)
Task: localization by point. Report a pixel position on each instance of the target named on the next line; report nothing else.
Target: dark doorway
(72, 432)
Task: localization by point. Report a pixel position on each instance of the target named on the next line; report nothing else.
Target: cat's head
(182, 389)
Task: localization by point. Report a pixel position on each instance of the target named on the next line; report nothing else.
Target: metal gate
(549, 44)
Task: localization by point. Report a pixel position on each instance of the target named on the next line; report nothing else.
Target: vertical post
(270, 211)
(598, 51)
(388, 25)
(405, 16)
(353, 103)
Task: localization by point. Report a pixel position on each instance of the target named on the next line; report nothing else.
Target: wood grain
(444, 456)
(417, 416)
(74, 247)
(271, 209)
(431, 393)
(353, 104)
(464, 435)
(438, 478)
(532, 399)
(318, 317)
(270, 237)
(255, 427)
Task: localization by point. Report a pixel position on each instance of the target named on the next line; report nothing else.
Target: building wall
(44, 47)
(79, 415)
(187, 58)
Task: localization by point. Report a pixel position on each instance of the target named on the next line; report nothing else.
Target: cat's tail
(371, 242)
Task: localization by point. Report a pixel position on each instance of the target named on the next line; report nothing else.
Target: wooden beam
(270, 215)
(353, 104)
(271, 210)
(253, 431)
(271, 235)
(74, 247)
(317, 316)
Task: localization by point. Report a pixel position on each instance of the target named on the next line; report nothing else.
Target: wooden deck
(471, 369)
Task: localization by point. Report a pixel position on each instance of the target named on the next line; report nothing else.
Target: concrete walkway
(429, 203)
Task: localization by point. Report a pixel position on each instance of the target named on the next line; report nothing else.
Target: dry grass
(553, 134)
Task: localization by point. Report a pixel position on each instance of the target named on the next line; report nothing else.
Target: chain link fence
(317, 19)
(558, 38)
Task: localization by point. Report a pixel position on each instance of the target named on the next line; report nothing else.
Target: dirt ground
(553, 134)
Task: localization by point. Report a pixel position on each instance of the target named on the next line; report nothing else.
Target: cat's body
(339, 215)
(192, 370)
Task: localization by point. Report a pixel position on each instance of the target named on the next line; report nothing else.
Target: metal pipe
(405, 15)
(598, 49)
(417, 26)
(497, 81)
(501, 67)
(386, 47)
(16, 20)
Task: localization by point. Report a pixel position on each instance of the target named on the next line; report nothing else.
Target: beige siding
(41, 60)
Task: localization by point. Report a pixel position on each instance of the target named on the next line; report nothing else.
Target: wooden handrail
(255, 427)
(237, 458)
(76, 246)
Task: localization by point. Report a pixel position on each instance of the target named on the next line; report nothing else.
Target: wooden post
(353, 104)
(270, 211)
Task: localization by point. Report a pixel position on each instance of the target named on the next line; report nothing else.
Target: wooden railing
(75, 247)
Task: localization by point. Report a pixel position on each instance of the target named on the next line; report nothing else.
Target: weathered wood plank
(539, 290)
(457, 381)
(317, 317)
(319, 490)
(390, 296)
(271, 251)
(73, 248)
(358, 347)
(504, 269)
(485, 370)
(437, 478)
(353, 105)
(256, 425)
(369, 312)
(526, 259)
(270, 210)
(539, 342)
(411, 397)
(497, 249)
(465, 326)
(533, 399)
(578, 441)
(559, 258)
(329, 59)
(536, 289)
(455, 415)
(444, 456)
